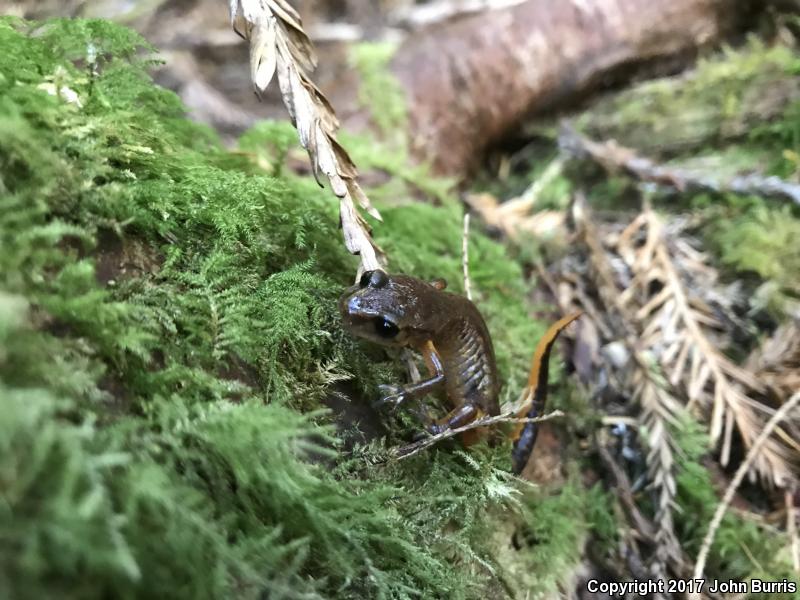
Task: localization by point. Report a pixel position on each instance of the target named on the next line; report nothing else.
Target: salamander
(450, 333)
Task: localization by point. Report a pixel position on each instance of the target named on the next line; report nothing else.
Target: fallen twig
(654, 395)
(779, 415)
(416, 447)
(614, 158)
(624, 492)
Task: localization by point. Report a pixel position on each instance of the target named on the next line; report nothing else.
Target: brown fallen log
(469, 82)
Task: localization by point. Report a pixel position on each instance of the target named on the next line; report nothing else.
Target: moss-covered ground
(169, 341)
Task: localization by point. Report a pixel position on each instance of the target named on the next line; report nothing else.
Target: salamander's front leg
(396, 395)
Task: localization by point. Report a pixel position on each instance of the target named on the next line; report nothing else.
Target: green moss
(766, 241)
(555, 527)
(719, 100)
(379, 91)
(168, 333)
(269, 142)
(761, 243)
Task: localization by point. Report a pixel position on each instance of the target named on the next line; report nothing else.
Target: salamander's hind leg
(459, 417)
(456, 418)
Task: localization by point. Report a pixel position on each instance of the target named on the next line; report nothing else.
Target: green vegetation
(742, 549)
(381, 95)
(719, 100)
(555, 551)
(380, 89)
(168, 335)
(765, 241)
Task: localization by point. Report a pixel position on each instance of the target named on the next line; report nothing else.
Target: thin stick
(791, 529)
(416, 447)
(734, 484)
(625, 493)
(613, 157)
(465, 257)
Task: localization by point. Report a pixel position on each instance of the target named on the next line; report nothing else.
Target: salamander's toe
(392, 395)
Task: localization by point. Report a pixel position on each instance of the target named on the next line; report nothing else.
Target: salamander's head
(393, 310)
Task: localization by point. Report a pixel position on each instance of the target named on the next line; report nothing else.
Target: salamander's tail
(524, 435)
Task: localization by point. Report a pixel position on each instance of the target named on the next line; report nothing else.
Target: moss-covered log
(723, 98)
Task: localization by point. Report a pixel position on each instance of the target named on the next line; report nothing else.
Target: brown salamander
(450, 333)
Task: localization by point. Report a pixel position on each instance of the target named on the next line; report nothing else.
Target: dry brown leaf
(279, 46)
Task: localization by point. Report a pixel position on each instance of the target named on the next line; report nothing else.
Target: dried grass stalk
(279, 46)
(508, 416)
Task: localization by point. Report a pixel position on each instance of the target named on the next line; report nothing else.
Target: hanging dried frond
(678, 327)
(279, 45)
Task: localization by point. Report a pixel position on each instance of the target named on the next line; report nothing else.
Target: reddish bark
(471, 81)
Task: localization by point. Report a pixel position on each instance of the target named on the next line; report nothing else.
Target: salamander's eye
(385, 328)
(364, 281)
(374, 279)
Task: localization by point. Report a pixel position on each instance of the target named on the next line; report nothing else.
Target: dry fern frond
(777, 361)
(678, 327)
(659, 408)
(279, 45)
